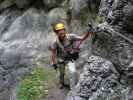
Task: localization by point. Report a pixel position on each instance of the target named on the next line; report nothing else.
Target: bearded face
(61, 34)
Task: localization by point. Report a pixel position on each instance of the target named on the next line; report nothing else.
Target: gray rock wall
(112, 46)
(91, 85)
(26, 32)
(22, 39)
(100, 81)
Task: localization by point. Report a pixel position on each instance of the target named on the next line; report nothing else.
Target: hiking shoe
(61, 86)
(67, 86)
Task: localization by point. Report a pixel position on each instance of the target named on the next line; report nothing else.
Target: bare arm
(86, 36)
(53, 50)
(53, 56)
(81, 39)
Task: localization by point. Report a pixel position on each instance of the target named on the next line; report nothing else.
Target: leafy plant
(36, 85)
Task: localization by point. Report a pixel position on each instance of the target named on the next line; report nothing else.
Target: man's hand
(55, 66)
(94, 28)
(89, 27)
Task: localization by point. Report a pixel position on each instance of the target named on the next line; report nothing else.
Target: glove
(89, 27)
(94, 28)
(55, 66)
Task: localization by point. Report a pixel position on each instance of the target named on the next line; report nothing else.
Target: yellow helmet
(59, 26)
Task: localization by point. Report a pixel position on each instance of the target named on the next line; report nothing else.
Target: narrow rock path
(54, 93)
(57, 94)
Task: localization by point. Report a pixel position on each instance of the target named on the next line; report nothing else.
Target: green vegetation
(83, 15)
(99, 19)
(36, 85)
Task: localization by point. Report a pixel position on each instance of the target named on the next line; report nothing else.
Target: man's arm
(81, 39)
(86, 36)
(53, 59)
(53, 56)
(52, 48)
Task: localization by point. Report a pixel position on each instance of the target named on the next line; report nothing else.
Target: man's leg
(61, 75)
(72, 74)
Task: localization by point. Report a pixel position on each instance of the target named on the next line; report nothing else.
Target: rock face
(115, 48)
(26, 32)
(52, 3)
(23, 39)
(118, 12)
(23, 3)
(118, 83)
(99, 81)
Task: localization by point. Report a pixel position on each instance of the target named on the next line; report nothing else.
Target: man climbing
(66, 48)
